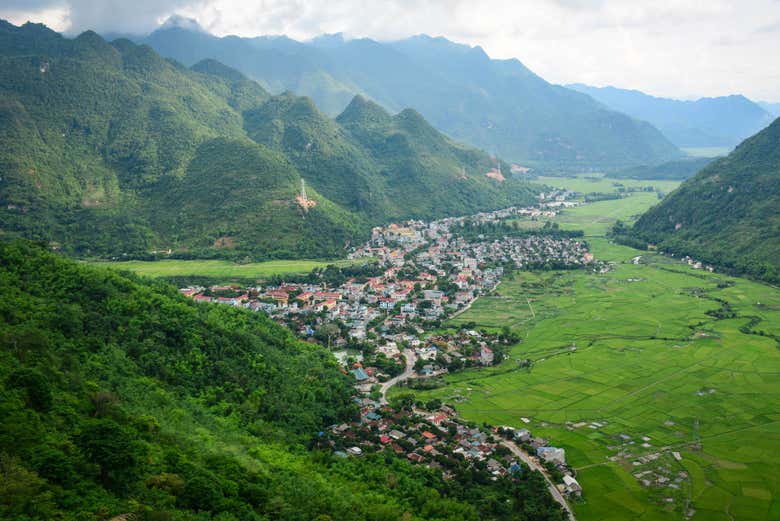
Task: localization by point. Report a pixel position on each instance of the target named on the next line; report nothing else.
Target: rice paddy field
(661, 382)
(218, 269)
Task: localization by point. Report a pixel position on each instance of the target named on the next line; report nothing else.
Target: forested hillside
(498, 105)
(119, 396)
(109, 149)
(728, 213)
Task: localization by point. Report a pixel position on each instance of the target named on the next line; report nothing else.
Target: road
(556, 494)
(410, 360)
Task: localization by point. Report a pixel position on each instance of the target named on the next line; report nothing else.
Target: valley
(256, 269)
(649, 375)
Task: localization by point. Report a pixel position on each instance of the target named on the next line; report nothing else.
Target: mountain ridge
(722, 121)
(498, 105)
(111, 149)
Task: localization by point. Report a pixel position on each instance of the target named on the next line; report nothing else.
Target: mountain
(497, 105)
(678, 170)
(122, 399)
(707, 122)
(772, 108)
(110, 149)
(727, 214)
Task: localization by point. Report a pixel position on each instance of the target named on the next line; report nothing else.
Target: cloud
(679, 48)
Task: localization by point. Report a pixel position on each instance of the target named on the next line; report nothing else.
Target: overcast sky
(676, 48)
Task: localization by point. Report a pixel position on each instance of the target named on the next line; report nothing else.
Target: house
(572, 486)
(522, 435)
(413, 456)
(409, 308)
(360, 374)
(355, 451)
(428, 435)
(396, 434)
(552, 454)
(486, 355)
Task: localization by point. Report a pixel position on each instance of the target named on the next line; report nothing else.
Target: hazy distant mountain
(727, 214)
(109, 148)
(707, 122)
(772, 108)
(678, 169)
(498, 105)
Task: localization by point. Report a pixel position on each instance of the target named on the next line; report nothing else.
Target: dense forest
(108, 150)
(119, 396)
(725, 215)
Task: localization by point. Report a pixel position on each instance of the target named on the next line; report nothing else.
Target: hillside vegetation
(118, 396)
(726, 214)
(109, 149)
(498, 105)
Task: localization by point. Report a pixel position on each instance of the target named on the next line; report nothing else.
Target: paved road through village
(410, 360)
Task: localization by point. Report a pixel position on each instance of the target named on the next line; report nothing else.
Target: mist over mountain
(498, 105)
(707, 122)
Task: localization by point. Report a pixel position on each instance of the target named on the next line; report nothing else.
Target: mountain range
(727, 213)
(707, 122)
(110, 149)
(498, 105)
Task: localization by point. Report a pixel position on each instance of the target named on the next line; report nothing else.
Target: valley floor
(658, 379)
(219, 269)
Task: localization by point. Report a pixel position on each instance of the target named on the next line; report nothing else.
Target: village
(378, 321)
(437, 438)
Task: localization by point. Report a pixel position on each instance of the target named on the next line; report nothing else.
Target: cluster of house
(464, 348)
(430, 272)
(698, 265)
(441, 441)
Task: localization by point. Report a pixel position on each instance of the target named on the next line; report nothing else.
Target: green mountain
(109, 149)
(728, 213)
(498, 105)
(679, 169)
(706, 122)
(121, 399)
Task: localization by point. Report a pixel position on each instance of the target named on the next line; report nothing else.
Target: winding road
(517, 451)
(410, 360)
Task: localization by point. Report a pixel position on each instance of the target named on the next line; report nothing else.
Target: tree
(35, 387)
(114, 448)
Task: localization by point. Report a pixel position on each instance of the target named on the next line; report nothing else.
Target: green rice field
(218, 268)
(633, 367)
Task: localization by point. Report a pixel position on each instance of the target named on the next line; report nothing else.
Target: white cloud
(679, 48)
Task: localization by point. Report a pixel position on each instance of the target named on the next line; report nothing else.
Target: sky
(673, 48)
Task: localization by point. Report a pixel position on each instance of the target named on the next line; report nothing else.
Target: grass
(649, 361)
(218, 268)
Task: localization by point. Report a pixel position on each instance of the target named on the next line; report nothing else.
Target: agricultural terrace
(633, 366)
